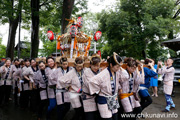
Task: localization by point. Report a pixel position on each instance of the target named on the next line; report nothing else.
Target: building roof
(173, 44)
(23, 45)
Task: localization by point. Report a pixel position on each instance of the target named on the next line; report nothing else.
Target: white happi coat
(52, 81)
(138, 79)
(101, 84)
(15, 69)
(26, 71)
(168, 78)
(38, 79)
(71, 80)
(62, 96)
(89, 104)
(35, 71)
(16, 75)
(3, 75)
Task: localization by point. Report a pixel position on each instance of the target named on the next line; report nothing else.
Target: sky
(94, 6)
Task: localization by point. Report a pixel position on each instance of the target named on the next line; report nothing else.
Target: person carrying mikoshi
(41, 80)
(62, 94)
(149, 72)
(73, 81)
(168, 72)
(52, 81)
(106, 85)
(130, 79)
(34, 94)
(90, 107)
(25, 84)
(6, 81)
(28, 74)
(16, 79)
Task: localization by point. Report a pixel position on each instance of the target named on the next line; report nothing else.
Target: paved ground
(159, 103)
(154, 110)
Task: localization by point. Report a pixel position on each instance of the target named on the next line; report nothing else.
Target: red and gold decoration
(97, 35)
(74, 42)
(99, 53)
(50, 35)
(80, 22)
(73, 30)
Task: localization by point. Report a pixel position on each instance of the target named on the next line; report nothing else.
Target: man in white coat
(168, 72)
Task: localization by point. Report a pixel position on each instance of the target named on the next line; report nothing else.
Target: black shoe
(164, 110)
(172, 108)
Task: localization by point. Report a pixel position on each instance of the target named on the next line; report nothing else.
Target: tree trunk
(11, 38)
(35, 28)
(66, 13)
(13, 23)
(144, 54)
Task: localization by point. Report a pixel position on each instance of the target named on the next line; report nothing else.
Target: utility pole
(19, 35)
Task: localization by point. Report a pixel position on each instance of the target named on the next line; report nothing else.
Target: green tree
(51, 17)
(90, 26)
(10, 12)
(137, 27)
(2, 49)
(49, 47)
(41, 13)
(25, 53)
(25, 48)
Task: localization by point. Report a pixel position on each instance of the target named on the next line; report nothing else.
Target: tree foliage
(135, 28)
(25, 50)
(10, 12)
(51, 19)
(49, 13)
(2, 49)
(25, 53)
(49, 47)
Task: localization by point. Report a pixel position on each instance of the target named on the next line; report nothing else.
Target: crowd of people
(93, 92)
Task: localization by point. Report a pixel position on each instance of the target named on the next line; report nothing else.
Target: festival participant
(34, 93)
(106, 85)
(18, 74)
(52, 81)
(6, 81)
(154, 81)
(130, 79)
(22, 63)
(168, 72)
(90, 107)
(26, 84)
(41, 79)
(73, 80)
(149, 71)
(62, 95)
(16, 79)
